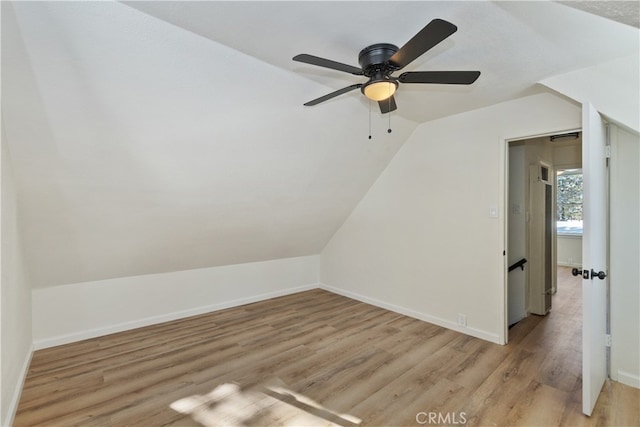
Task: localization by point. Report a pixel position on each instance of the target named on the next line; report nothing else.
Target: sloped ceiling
(149, 137)
(513, 44)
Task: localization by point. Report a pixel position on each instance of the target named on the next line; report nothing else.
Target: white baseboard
(15, 399)
(125, 326)
(416, 314)
(629, 379)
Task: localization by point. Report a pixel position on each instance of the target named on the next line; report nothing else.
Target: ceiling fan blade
(333, 94)
(434, 32)
(387, 105)
(440, 77)
(327, 63)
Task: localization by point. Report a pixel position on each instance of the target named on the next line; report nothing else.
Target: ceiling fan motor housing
(375, 59)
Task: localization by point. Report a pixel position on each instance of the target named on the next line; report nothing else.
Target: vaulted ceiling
(148, 137)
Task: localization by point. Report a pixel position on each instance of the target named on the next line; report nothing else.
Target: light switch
(493, 212)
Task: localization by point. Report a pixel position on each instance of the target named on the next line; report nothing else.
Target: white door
(594, 257)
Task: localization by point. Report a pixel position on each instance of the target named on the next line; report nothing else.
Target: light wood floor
(316, 358)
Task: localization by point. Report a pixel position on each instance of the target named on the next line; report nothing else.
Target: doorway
(532, 215)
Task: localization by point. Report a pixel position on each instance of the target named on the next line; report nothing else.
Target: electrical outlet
(462, 320)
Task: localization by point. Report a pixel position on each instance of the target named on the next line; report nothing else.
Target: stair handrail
(520, 264)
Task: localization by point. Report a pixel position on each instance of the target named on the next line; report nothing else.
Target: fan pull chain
(369, 119)
(389, 100)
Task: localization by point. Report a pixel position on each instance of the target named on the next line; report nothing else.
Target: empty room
(305, 213)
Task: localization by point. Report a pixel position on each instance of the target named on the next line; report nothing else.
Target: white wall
(422, 240)
(569, 251)
(67, 313)
(612, 87)
(568, 156)
(625, 256)
(15, 299)
(517, 235)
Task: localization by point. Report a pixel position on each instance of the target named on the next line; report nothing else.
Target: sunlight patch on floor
(229, 405)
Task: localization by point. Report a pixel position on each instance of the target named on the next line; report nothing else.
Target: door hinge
(607, 151)
(607, 340)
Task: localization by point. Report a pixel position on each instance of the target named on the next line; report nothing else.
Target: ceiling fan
(380, 60)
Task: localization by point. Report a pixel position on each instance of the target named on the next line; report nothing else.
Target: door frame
(505, 223)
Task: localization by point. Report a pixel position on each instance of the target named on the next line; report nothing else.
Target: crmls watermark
(440, 418)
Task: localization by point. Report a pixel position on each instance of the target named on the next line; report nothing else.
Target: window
(569, 191)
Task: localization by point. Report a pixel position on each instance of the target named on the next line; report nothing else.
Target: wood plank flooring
(316, 358)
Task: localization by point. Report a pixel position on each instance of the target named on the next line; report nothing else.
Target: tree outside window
(569, 203)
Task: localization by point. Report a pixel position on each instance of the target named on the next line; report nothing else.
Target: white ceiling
(160, 136)
(513, 44)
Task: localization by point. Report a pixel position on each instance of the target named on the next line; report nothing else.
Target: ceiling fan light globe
(380, 90)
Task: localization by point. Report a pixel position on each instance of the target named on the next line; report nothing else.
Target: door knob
(576, 272)
(600, 274)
